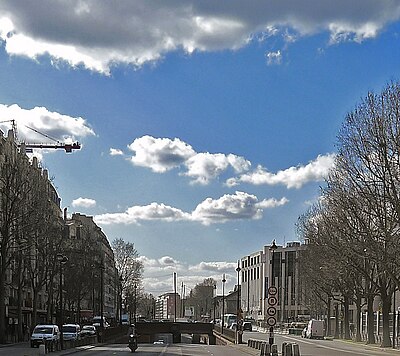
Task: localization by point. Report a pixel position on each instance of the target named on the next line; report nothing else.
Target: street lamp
(272, 248)
(223, 302)
(62, 260)
(134, 304)
(120, 301)
(102, 268)
(215, 299)
(239, 317)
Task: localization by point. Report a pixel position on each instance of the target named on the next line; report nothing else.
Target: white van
(49, 333)
(315, 329)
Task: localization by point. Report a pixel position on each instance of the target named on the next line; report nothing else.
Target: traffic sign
(271, 321)
(272, 290)
(271, 311)
(272, 301)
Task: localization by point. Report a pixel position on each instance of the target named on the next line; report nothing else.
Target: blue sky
(206, 129)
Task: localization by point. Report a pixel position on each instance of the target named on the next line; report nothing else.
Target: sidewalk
(35, 351)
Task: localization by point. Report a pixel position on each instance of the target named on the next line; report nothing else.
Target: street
(323, 347)
(307, 348)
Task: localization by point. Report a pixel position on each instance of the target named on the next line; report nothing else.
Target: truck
(315, 329)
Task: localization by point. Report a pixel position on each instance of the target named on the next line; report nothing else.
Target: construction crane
(68, 147)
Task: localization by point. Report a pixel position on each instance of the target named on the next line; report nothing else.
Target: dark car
(247, 326)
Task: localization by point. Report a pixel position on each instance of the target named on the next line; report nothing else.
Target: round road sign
(271, 311)
(271, 321)
(272, 290)
(272, 301)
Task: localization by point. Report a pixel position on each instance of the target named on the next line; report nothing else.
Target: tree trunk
(346, 319)
(370, 320)
(358, 319)
(386, 304)
(2, 308)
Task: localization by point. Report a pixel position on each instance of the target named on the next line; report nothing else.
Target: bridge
(149, 332)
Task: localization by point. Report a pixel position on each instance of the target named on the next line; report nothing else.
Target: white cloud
(274, 57)
(158, 274)
(53, 124)
(116, 152)
(238, 206)
(160, 154)
(83, 203)
(204, 167)
(99, 34)
(135, 214)
(164, 154)
(293, 177)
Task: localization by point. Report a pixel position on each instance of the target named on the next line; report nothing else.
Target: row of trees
(30, 231)
(33, 236)
(353, 232)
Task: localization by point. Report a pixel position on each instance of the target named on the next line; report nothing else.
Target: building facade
(256, 277)
(167, 306)
(83, 233)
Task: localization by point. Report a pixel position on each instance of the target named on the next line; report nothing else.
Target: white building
(256, 277)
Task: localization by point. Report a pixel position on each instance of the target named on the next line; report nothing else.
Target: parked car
(88, 330)
(247, 326)
(233, 326)
(97, 320)
(49, 333)
(71, 332)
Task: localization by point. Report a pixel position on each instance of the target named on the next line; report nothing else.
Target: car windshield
(43, 330)
(69, 329)
(88, 327)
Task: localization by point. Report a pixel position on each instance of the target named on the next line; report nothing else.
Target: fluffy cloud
(53, 124)
(230, 207)
(83, 203)
(160, 154)
(98, 34)
(164, 154)
(293, 177)
(204, 167)
(135, 214)
(116, 152)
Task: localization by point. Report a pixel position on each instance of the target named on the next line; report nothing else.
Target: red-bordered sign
(272, 301)
(271, 311)
(272, 290)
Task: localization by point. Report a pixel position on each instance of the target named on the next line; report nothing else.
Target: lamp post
(102, 268)
(62, 260)
(215, 299)
(272, 248)
(239, 317)
(134, 304)
(223, 302)
(120, 300)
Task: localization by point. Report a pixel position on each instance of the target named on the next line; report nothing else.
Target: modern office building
(256, 272)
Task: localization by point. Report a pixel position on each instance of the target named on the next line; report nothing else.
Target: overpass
(148, 332)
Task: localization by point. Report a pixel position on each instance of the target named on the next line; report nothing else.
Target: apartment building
(167, 306)
(83, 233)
(256, 277)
